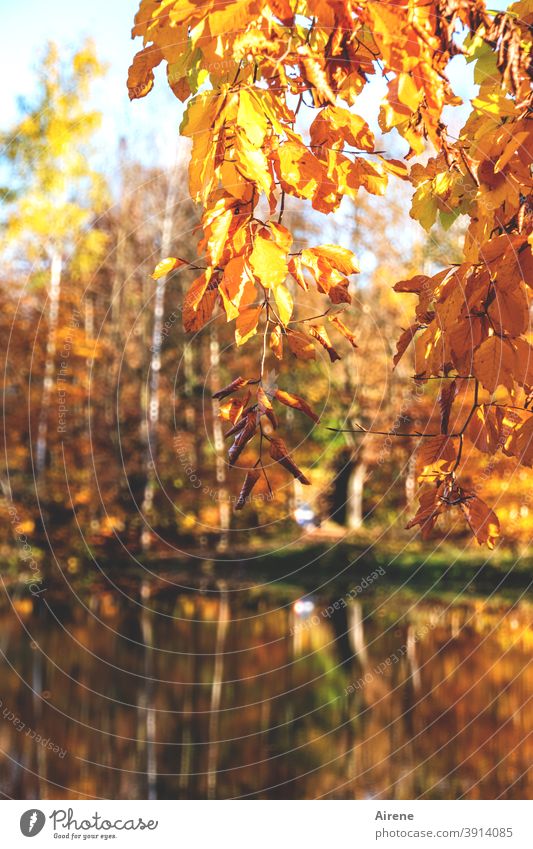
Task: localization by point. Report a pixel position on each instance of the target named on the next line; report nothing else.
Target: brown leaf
(482, 520)
(320, 334)
(249, 482)
(430, 507)
(236, 384)
(242, 438)
(436, 456)
(446, 398)
(483, 430)
(403, 342)
(279, 453)
(520, 443)
(198, 304)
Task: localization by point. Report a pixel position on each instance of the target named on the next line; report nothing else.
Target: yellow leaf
(284, 303)
(269, 262)
(251, 117)
(252, 163)
(167, 265)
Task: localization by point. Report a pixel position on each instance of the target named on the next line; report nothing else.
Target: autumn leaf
(482, 520)
(483, 430)
(446, 398)
(236, 288)
(341, 327)
(404, 341)
(320, 334)
(279, 453)
(494, 363)
(244, 435)
(296, 270)
(268, 262)
(246, 324)
(296, 403)
(520, 443)
(249, 482)
(232, 410)
(199, 304)
(430, 508)
(167, 265)
(251, 117)
(300, 345)
(141, 71)
(509, 309)
(276, 342)
(284, 303)
(238, 383)
(436, 457)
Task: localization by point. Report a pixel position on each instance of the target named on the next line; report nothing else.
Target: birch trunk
(155, 361)
(354, 504)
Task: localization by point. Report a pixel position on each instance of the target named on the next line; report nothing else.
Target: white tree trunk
(48, 383)
(216, 693)
(354, 495)
(155, 361)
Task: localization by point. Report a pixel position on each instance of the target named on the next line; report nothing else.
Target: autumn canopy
(271, 91)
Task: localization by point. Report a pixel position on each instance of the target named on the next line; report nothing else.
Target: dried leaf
(278, 452)
(249, 482)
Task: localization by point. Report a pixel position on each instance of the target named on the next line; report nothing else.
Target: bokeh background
(154, 644)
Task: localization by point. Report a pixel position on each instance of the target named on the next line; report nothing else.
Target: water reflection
(152, 691)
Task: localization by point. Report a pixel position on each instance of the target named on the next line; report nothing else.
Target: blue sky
(150, 124)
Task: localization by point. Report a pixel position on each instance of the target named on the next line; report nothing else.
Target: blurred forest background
(111, 439)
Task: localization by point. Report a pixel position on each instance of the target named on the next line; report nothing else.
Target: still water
(215, 689)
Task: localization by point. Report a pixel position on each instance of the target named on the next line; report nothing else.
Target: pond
(187, 686)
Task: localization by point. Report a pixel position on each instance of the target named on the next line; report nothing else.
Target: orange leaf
(341, 327)
(276, 342)
(320, 334)
(494, 363)
(300, 345)
(246, 324)
(296, 403)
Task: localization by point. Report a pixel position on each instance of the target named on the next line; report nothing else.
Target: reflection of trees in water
(210, 694)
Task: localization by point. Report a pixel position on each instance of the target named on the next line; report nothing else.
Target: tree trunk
(53, 300)
(410, 480)
(354, 496)
(216, 693)
(218, 440)
(119, 275)
(155, 361)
